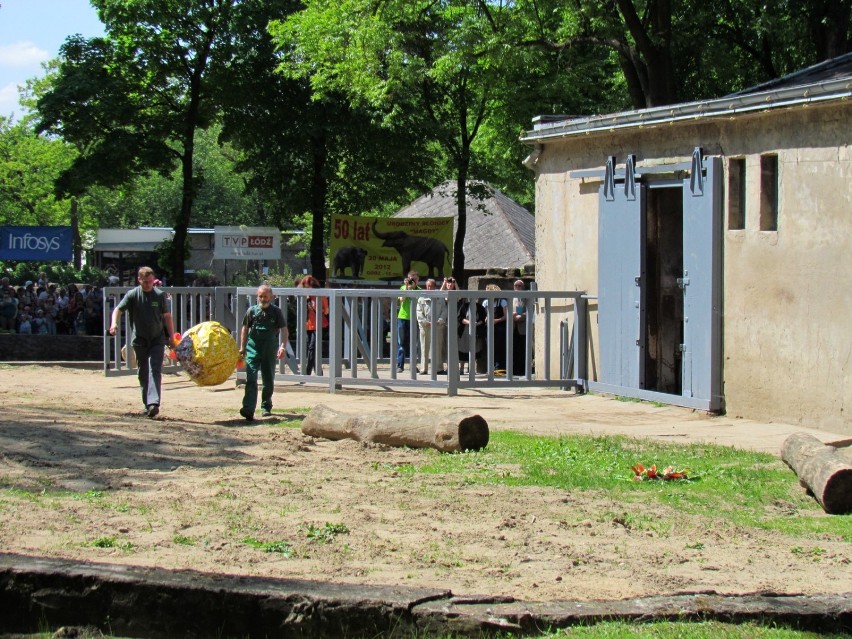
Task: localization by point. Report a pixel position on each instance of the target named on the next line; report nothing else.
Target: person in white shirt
(426, 308)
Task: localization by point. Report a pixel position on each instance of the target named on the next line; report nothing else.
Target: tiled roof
(500, 232)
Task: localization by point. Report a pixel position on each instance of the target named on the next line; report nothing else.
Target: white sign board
(247, 243)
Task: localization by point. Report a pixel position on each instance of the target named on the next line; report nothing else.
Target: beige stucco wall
(787, 309)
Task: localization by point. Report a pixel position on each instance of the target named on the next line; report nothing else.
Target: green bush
(282, 279)
(22, 272)
(61, 273)
(204, 277)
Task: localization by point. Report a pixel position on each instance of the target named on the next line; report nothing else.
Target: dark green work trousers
(261, 349)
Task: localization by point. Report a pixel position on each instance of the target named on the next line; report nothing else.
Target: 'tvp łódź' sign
(247, 243)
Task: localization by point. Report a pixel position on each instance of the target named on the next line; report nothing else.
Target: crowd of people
(420, 310)
(426, 306)
(45, 308)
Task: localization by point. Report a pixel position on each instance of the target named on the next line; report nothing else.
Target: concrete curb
(134, 601)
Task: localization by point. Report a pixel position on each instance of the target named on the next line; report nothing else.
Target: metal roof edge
(838, 89)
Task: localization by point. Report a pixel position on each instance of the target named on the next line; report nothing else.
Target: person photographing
(403, 320)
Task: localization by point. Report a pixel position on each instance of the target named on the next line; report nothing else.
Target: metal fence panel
(359, 347)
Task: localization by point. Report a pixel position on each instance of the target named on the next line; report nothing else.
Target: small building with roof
(716, 237)
(500, 232)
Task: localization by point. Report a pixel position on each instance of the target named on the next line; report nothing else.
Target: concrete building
(717, 238)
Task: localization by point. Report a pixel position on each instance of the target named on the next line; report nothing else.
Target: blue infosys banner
(36, 243)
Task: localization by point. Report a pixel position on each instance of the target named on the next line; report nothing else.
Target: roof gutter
(546, 129)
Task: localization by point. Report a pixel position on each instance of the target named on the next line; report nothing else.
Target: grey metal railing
(359, 346)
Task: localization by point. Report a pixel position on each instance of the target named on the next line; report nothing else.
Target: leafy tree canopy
(29, 166)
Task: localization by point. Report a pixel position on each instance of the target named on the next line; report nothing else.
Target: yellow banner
(386, 248)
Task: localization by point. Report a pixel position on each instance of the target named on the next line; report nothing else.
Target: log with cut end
(822, 470)
(447, 432)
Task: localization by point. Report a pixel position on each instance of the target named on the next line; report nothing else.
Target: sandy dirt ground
(83, 475)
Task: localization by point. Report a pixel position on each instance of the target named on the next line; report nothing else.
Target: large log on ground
(822, 470)
(447, 432)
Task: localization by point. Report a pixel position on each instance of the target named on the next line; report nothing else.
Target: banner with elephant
(386, 248)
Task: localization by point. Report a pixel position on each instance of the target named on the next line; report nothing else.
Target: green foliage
(166, 255)
(61, 273)
(686, 630)
(111, 542)
(153, 199)
(133, 101)
(308, 155)
(205, 277)
(93, 275)
(275, 278)
(281, 547)
(104, 542)
(620, 630)
(163, 122)
(30, 165)
(436, 67)
(327, 533)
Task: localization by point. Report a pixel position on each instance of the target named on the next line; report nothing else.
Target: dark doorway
(664, 295)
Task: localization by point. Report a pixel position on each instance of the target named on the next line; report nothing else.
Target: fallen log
(447, 432)
(822, 470)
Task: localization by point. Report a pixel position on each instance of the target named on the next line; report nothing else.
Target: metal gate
(623, 280)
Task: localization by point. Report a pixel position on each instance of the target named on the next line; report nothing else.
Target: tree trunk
(181, 227)
(822, 470)
(319, 195)
(461, 226)
(448, 433)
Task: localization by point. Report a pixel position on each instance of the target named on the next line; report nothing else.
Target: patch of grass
(112, 542)
(604, 630)
(685, 630)
(281, 547)
(301, 410)
(290, 420)
(89, 495)
(326, 533)
(742, 488)
(21, 494)
(183, 540)
(636, 400)
(122, 507)
(814, 554)
(104, 542)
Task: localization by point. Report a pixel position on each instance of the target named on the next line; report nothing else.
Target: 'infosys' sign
(36, 243)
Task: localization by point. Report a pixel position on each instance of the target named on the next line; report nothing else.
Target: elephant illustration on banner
(414, 248)
(351, 257)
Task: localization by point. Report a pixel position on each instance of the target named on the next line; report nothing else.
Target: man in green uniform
(151, 323)
(263, 339)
